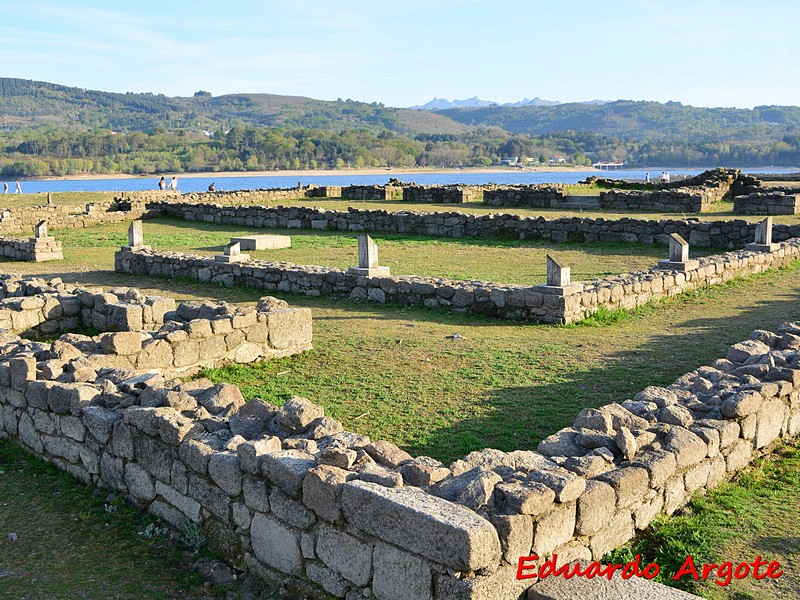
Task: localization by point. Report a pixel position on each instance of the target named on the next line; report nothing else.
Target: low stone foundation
(151, 332)
(536, 303)
(767, 203)
(31, 249)
(534, 196)
(442, 194)
(703, 234)
(693, 200)
(287, 493)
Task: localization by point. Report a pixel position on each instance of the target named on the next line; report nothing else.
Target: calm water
(200, 184)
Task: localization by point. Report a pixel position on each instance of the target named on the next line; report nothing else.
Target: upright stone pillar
(135, 237)
(558, 280)
(678, 256)
(368, 259)
(233, 254)
(40, 231)
(763, 242)
(43, 246)
(49, 199)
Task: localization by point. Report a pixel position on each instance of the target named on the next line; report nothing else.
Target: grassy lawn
(395, 373)
(755, 515)
(77, 199)
(62, 540)
(520, 262)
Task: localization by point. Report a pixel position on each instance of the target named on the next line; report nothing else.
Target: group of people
(664, 177)
(172, 185)
(17, 187)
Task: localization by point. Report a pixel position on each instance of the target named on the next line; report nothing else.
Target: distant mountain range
(475, 102)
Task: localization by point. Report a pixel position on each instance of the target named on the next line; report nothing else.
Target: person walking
(17, 188)
(174, 184)
(212, 187)
(162, 185)
(5, 187)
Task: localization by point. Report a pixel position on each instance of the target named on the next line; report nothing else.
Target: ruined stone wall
(442, 194)
(17, 220)
(31, 249)
(767, 203)
(154, 333)
(693, 200)
(536, 303)
(289, 494)
(534, 196)
(705, 234)
(372, 192)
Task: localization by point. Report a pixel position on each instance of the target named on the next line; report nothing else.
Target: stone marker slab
(368, 259)
(263, 242)
(135, 237)
(442, 531)
(233, 254)
(557, 274)
(763, 238)
(678, 256)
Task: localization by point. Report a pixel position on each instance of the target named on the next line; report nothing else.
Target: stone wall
(536, 303)
(442, 194)
(153, 333)
(372, 192)
(696, 194)
(534, 196)
(705, 234)
(767, 203)
(287, 493)
(31, 249)
(694, 200)
(16, 220)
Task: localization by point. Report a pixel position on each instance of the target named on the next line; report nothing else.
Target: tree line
(48, 151)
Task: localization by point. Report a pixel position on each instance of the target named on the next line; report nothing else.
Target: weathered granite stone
(434, 528)
(387, 454)
(298, 413)
(345, 554)
(629, 484)
(399, 575)
(595, 507)
(554, 529)
(287, 469)
(661, 397)
(322, 491)
(276, 545)
(225, 469)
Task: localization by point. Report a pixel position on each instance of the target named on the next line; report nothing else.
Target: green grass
(76, 199)
(505, 261)
(393, 373)
(76, 541)
(752, 516)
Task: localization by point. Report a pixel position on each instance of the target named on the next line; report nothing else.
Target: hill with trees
(49, 129)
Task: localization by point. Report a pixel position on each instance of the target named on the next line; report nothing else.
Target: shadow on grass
(520, 417)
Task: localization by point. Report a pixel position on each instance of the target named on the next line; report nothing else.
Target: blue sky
(405, 52)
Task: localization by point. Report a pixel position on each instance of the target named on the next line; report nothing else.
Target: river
(252, 182)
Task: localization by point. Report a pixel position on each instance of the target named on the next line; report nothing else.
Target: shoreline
(312, 173)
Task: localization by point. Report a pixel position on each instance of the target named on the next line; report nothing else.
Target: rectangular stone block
(442, 531)
(263, 242)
